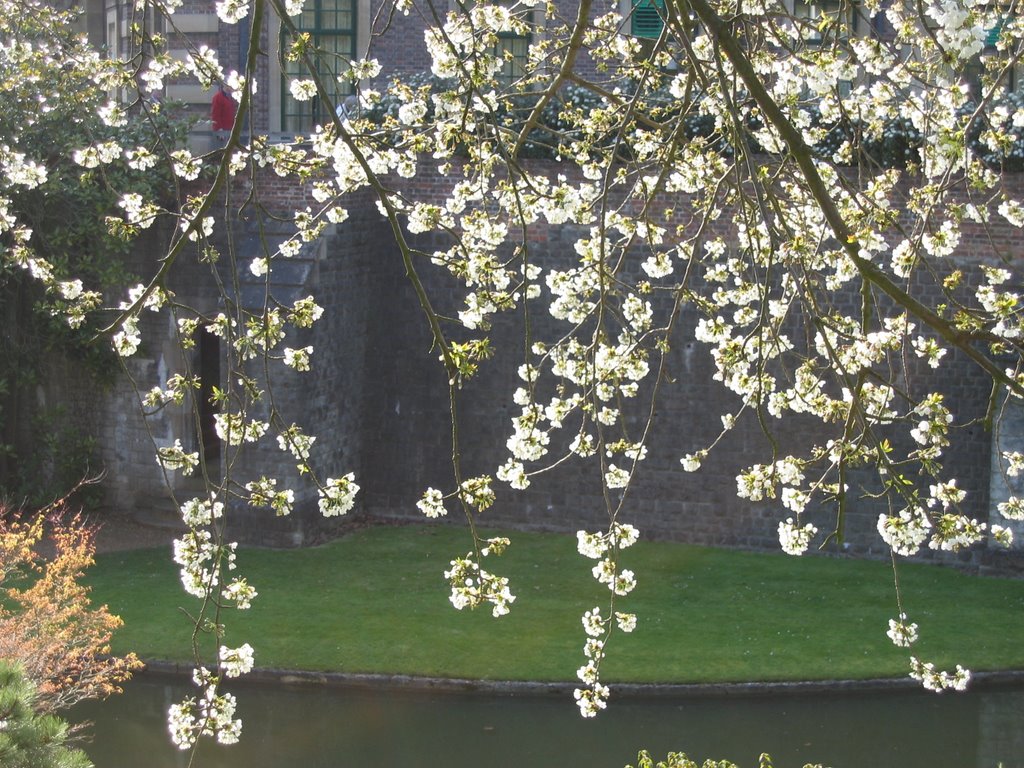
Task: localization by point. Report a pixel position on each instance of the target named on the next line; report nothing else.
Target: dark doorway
(208, 368)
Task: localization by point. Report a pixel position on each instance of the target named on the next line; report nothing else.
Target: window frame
(295, 116)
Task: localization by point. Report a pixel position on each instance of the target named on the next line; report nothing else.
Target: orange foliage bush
(47, 623)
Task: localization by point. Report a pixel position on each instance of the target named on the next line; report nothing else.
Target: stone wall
(410, 445)
(378, 401)
(133, 479)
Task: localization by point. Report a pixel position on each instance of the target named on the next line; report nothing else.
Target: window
(512, 47)
(991, 62)
(513, 50)
(840, 13)
(91, 23)
(331, 25)
(828, 23)
(1013, 78)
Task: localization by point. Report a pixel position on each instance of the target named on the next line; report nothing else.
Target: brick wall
(410, 445)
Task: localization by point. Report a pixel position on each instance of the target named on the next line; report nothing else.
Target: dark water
(312, 727)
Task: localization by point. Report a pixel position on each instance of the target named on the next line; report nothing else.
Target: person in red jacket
(222, 112)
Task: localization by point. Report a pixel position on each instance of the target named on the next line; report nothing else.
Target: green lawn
(376, 601)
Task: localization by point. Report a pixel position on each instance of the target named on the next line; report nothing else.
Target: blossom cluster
(472, 586)
(201, 557)
(795, 539)
(603, 547)
(212, 713)
(337, 497)
(175, 457)
(264, 493)
(937, 680)
(902, 634)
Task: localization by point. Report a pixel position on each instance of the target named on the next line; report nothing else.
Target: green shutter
(646, 20)
(992, 36)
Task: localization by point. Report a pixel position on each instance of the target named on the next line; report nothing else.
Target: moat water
(311, 727)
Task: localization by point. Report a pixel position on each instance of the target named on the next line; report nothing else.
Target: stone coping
(534, 688)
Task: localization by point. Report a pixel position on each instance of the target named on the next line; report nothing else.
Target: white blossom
(236, 661)
(232, 11)
(903, 635)
(337, 497)
(795, 539)
(432, 503)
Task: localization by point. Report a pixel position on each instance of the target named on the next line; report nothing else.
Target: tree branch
(805, 160)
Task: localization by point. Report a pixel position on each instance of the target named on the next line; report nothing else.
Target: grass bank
(376, 601)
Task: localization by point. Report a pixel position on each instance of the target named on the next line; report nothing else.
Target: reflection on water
(319, 728)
